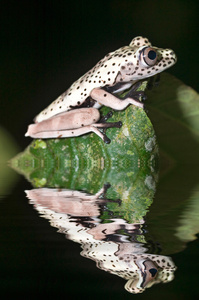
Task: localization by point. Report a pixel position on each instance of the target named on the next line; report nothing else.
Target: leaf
(173, 109)
(188, 226)
(174, 112)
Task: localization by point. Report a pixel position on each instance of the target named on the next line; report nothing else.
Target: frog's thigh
(73, 119)
(112, 101)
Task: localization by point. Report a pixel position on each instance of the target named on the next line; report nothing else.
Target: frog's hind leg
(103, 125)
(76, 132)
(56, 127)
(63, 133)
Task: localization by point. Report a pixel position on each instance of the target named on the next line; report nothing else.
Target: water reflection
(8, 148)
(115, 245)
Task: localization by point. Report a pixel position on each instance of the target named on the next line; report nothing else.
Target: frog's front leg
(105, 98)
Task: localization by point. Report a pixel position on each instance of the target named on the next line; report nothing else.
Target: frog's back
(127, 64)
(103, 73)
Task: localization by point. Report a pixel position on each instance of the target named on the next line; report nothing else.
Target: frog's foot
(139, 96)
(102, 194)
(110, 124)
(103, 127)
(106, 117)
(134, 94)
(106, 187)
(117, 201)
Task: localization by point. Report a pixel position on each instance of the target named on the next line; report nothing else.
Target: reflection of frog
(113, 252)
(71, 202)
(127, 259)
(75, 112)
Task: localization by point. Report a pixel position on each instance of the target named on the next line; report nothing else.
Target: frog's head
(146, 274)
(160, 269)
(147, 60)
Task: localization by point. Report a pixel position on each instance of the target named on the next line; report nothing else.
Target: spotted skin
(121, 66)
(127, 266)
(103, 242)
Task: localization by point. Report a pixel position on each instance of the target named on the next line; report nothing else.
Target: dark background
(47, 45)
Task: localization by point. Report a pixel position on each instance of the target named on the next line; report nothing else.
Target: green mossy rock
(86, 163)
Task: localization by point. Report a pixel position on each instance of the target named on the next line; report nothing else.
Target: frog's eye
(148, 56)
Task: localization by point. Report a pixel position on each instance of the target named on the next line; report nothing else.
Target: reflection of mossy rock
(86, 162)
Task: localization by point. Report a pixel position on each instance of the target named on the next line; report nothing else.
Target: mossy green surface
(87, 163)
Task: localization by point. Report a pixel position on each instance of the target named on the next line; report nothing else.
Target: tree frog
(75, 112)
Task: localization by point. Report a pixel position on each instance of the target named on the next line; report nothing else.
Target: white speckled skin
(112, 251)
(123, 65)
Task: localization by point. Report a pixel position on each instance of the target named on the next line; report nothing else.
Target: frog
(76, 111)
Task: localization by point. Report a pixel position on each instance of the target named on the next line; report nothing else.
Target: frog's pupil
(153, 272)
(152, 55)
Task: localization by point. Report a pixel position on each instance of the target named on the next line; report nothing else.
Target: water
(51, 247)
(37, 260)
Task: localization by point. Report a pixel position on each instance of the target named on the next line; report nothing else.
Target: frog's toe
(119, 124)
(107, 140)
(106, 117)
(107, 185)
